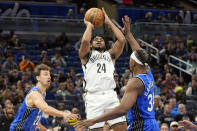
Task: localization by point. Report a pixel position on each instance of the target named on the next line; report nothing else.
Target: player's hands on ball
(126, 21)
(68, 117)
(107, 20)
(82, 125)
(88, 23)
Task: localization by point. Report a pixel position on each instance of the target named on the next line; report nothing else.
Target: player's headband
(135, 58)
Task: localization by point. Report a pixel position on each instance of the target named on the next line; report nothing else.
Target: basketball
(95, 16)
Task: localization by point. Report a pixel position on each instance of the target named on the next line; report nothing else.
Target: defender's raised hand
(126, 21)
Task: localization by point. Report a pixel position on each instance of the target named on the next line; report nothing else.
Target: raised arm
(120, 43)
(85, 41)
(133, 89)
(126, 30)
(38, 101)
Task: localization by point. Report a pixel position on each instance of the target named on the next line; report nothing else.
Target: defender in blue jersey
(30, 112)
(138, 98)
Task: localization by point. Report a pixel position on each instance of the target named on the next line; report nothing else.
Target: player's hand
(68, 117)
(87, 23)
(84, 124)
(186, 124)
(126, 21)
(107, 19)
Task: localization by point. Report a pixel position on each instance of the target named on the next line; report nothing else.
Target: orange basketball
(95, 16)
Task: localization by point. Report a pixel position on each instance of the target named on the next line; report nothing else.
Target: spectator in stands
(190, 42)
(148, 17)
(9, 64)
(168, 84)
(166, 117)
(160, 18)
(173, 104)
(61, 92)
(58, 60)
(7, 117)
(55, 84)
(70, 14)
(193, 89)
(194, 21)
(61, 74)
(72, 90)
(19, 97)
(164, 127)
(157, 45)
(79, 83)
(14, 42)
(21, 54)
(181, 82)
(158, 106)
(181, 51)
(170, 18)
(72, 73)
(118, 85)
(193, 61)
(25, 79)
(81, 13)
(26, 64)
(44, 45)
(13, 76)
(179, 19)
(46, 61)
(43, 54)
(127, 73)
(60, 41)
(145, 38)
(174, 126)
(67, 49)
(182, 113)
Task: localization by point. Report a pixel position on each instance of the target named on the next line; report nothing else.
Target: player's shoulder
(135, 82)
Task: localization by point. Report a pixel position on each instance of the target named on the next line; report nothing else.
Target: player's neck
(139, 70)
(41, 87)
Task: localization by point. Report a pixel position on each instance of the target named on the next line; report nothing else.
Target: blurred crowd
(182, 17)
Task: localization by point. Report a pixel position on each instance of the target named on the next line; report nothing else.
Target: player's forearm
(87, 35)
(132, 42)
(114, 113)
(120, 37)
(52, 111)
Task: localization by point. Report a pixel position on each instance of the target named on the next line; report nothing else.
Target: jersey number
(101, 68)
(151, 100)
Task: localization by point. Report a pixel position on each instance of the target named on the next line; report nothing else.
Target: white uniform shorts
(100, 102)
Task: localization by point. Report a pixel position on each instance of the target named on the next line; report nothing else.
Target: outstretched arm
(85, 41)
(38, 101)
(120, 43)
(134, 88)
(126, 30)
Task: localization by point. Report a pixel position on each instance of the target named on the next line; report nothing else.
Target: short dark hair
(107, 45)
(143, 56)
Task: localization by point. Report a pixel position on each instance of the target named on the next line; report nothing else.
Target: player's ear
(37, 78)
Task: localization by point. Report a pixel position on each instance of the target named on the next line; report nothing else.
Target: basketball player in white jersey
(98, 65)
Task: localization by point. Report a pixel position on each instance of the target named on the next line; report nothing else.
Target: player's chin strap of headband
(136, 59)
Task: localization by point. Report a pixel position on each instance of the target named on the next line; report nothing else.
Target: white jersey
(99, 72)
